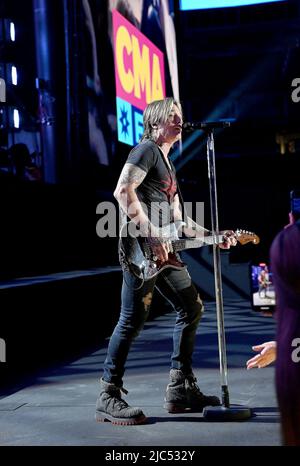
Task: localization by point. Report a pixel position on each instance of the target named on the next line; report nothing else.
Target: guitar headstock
(245, 237)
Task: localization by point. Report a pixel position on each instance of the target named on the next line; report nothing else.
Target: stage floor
(57, 408)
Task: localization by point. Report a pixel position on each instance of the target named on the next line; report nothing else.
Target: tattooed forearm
(130, 178)
(131, 175)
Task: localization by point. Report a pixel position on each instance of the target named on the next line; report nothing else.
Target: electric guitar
(137, 257)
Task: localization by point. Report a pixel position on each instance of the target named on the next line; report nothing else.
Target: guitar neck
(188, 243)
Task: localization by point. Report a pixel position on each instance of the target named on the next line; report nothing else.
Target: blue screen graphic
(208, 4)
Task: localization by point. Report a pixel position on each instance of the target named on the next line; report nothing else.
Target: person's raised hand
(267, 355)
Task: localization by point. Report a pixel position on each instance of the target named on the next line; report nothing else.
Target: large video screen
(208, 4)
(139, 75)
(131, 61)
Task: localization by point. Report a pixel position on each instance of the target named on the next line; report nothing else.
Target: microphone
(208, 125)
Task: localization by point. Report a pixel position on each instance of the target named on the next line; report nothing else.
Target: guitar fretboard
(181, 244)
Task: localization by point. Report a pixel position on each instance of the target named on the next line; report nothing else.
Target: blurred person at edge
(285, 263)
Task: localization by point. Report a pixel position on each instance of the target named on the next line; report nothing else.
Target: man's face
(171, 130)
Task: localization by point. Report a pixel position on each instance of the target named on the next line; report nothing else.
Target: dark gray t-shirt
(157, 191)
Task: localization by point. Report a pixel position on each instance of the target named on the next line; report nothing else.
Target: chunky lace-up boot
(183, 394)
(111, 407)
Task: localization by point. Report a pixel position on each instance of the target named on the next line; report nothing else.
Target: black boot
(183, 394)
(111, 407)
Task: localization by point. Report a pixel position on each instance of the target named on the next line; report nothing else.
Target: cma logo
(2, 350)
(296, 351)
(296, 92)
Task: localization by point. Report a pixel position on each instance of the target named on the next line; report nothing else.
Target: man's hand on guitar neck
(161, 247)
(229, 239)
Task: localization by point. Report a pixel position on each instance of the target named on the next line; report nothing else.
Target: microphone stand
(225, 412)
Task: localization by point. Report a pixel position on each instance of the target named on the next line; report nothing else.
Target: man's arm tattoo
(131, 174)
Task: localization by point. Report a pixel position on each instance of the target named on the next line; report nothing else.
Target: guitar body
(136, 255)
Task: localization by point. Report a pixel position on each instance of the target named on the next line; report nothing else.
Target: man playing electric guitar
(147, 193)
(263, 282)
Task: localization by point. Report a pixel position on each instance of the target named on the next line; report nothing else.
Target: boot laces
(117, 400)
(190, 382)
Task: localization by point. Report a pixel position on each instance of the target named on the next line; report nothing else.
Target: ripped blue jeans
(177, 287)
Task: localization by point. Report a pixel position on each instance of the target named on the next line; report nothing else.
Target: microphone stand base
(223, 413)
